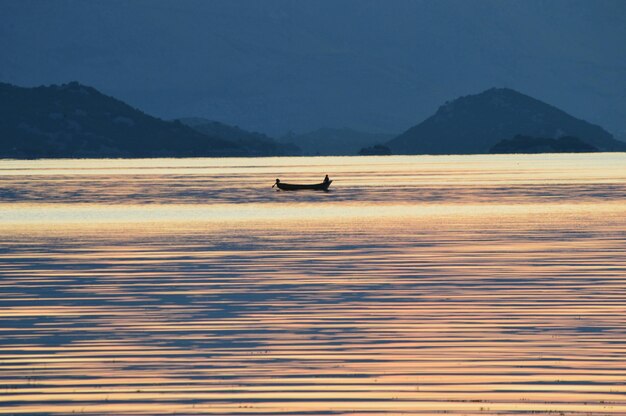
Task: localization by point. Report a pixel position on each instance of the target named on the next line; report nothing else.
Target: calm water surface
(419, 285)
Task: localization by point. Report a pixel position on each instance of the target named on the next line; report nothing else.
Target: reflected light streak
(439, 291)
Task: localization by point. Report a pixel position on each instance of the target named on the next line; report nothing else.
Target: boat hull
(296, 187)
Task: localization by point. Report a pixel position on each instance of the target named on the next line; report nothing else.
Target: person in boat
(325, 184)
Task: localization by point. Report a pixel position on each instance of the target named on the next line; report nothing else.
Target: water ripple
(496, 311)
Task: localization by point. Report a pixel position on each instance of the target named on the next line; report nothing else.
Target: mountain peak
(474, 123)
(75, 120)
(500, 91)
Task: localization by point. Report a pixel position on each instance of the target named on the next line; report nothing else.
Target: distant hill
(527, 144)
(74, 120)
(330, 141)
(255, 144)
(376, 150)
(475, 123)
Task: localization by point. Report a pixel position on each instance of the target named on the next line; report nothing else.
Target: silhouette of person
(326, 179)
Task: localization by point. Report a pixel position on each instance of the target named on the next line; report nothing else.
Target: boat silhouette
(323, 186)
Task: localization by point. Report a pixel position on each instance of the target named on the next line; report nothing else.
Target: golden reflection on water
(422, 285)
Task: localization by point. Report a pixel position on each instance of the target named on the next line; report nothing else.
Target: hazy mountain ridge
(376, 150)
(74, 120)
(475, 123)
(335, 141)
(254, 143)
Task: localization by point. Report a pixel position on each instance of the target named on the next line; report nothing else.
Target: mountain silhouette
(475, 123)
(254, 143)
(376, 150)
(74, 120)
(334, 141)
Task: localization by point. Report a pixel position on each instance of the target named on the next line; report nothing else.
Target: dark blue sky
(275, 65)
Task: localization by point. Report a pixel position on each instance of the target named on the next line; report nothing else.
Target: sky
(280, 65)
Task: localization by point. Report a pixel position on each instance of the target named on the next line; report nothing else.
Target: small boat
(298, 187)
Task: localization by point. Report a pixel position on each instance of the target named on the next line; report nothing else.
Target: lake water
(418, 285)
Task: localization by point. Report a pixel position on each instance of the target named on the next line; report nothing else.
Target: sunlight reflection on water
(476, 284)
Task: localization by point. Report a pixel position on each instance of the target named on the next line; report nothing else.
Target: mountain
(74, 120)
(475, 123)
(527, 144)
(255, 144)
(330, 141)
(376, 150)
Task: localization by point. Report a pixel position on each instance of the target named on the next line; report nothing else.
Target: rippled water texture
(419, 285)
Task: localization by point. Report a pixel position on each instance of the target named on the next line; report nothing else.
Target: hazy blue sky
(275, 65)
